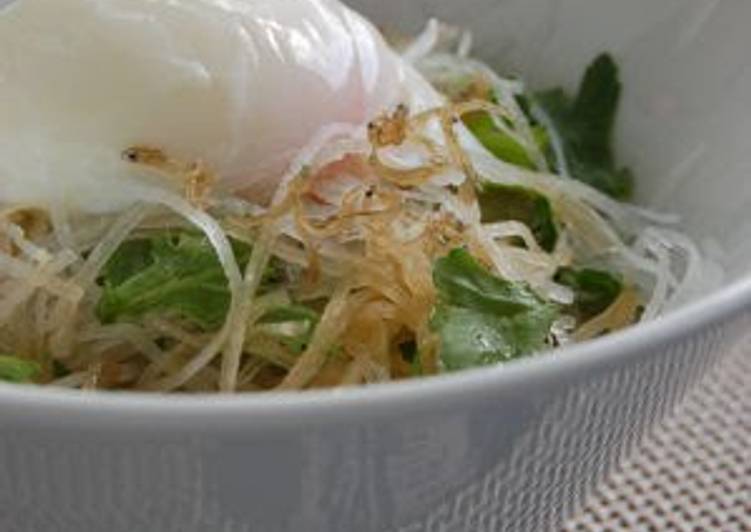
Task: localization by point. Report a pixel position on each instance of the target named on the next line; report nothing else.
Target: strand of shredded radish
(251, 281)
(219, 241)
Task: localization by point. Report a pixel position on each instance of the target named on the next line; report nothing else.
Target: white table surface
(694, 472)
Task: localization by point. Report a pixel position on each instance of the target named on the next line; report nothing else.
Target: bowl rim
(286, 409)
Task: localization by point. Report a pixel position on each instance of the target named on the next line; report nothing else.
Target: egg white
(241, 85)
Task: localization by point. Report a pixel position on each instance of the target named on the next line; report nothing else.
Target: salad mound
(491, 227)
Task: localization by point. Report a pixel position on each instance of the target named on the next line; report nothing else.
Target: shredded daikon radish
(258, 261)
(664, 280)
(556, 143)
(219, 241)
(464, 47)
(42, 276)
(512, 229)
(424, 43)
(62, 227)
(127, 333)
(99, 256)
(351, 238)
(65, 313)
(332, 325)
(174, 331)
(33, 276)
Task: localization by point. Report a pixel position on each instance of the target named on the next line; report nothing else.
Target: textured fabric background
(694, 472)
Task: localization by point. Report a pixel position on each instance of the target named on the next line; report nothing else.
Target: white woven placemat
(694, 472)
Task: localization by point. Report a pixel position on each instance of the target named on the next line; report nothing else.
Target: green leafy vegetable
(173, 273)
(502, 202)
(287, 313)
(482, 319)
(17, 370)
(594, 290)
(293, 325)
(585, 125)
(499, 143)
(132, 257)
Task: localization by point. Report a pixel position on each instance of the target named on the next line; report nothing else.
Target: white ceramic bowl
(507, 448)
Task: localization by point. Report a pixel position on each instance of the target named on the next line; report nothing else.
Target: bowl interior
(684, 124)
